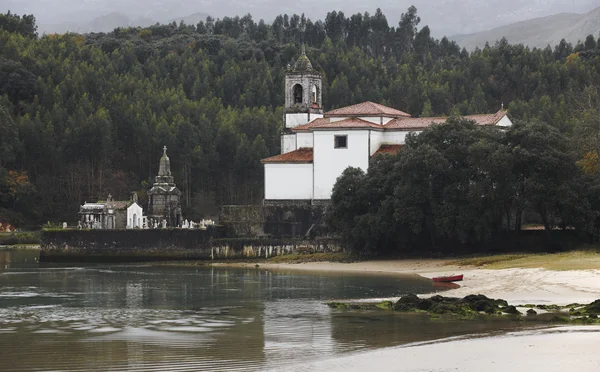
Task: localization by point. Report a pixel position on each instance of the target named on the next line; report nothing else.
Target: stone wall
(281, 220)
(167, 244)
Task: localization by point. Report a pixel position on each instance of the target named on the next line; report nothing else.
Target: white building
(316, 148)
(135, 217)
(135, 214)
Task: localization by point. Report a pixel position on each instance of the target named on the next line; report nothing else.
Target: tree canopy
(92, 112)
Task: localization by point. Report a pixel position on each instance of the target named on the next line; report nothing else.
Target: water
(144, 318)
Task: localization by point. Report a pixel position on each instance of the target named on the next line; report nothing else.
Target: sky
(445, 17)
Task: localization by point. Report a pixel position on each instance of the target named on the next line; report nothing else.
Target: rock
(593, 308)
(531, 312)
(511, 310)
(407, 303)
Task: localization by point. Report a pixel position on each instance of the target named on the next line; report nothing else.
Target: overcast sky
(443, 16)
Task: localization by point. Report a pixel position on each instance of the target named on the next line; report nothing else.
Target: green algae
(480, 306)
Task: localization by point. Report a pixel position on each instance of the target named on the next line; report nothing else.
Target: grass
(573, 260)
(314, 257)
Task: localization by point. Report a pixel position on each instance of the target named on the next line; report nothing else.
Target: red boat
(452, 278)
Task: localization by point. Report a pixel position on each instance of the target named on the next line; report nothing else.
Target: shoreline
(549, 349)
(518, 286)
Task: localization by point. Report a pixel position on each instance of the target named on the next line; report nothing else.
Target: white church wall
(330, 162)
(296, 119)
(304, 139)
(135, 216)
(376, 141)
(396, 137)
(504, 122)
(293, 120)
(288, 181)
(376, 119)
(288, 143)
(372, 119)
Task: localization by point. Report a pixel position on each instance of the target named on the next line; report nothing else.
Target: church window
(315, 94)
(340, 142)
(297, 93)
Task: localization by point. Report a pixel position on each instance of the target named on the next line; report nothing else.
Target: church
(316, 147)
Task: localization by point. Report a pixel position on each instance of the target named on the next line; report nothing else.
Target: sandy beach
(550, 349)
(558, 349)
(516, 285)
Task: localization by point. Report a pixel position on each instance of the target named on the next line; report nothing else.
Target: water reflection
(141, 317)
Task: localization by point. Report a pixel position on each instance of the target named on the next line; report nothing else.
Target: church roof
(303, 63)
(388, 150)
(302, 155)
(422, 123)
(367, 109)
(350, 123)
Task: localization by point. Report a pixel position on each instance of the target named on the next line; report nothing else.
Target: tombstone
(79, 227)
(192, 225)
(164, 224)
(64, 225)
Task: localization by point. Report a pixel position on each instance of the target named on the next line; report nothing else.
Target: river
(149, 318)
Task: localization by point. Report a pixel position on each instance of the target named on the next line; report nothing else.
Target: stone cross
(164, 150)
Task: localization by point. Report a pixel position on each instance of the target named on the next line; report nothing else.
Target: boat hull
(445, 279)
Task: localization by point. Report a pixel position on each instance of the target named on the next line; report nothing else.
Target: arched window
(315, 94)
(297, 93)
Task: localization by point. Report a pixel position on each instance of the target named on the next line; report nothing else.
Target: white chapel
(317, 147)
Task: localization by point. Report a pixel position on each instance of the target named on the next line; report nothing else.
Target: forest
(82, 116)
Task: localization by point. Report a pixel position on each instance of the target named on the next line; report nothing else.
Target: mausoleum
(164, 198)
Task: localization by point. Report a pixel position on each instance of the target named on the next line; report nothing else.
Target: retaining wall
(167, 244)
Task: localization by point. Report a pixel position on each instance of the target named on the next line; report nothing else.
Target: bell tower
(303, 87)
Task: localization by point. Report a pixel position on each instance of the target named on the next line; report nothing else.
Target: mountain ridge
(537, 32)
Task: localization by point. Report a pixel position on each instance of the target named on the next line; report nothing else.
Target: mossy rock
(531, 312)
(559, 319)
(511, 310)
(593, 308)
(407, 303)
(468, 306)
(385, 305)
(338, 305)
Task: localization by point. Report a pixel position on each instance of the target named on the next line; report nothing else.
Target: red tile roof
(324, 123)
(302, 155)
(367, 109)
(388, 149)
(422, 123)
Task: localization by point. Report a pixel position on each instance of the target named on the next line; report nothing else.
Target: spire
(164, 168)
(303, 63)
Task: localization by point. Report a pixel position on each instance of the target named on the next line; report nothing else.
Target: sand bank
(556, 349)
(517, 286)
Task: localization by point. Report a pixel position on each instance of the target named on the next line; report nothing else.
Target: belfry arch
(298, 93)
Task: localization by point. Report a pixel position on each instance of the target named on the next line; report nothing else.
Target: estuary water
(148, 318)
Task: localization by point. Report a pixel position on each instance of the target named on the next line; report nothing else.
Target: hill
(538, 32)
(448, 17)
(192, 19)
